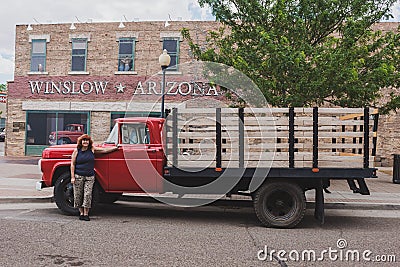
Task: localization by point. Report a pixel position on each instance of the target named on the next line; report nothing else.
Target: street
(2, 148)
(152, 234)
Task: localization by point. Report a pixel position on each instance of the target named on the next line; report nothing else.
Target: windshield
(113, 137)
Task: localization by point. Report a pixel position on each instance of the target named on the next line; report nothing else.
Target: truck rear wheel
(279, 204)
(64, 194)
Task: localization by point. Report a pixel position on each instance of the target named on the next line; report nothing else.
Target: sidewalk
(18, 176)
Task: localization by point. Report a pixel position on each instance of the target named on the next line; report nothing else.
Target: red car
(3, 135)
(68, 136)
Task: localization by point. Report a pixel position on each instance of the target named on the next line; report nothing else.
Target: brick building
(91, 73)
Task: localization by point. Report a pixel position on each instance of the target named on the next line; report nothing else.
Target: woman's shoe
(86, 218)
(81, 217)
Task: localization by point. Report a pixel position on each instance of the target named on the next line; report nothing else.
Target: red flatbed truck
(271, 155)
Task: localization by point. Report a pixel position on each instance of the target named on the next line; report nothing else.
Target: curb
(221, 203)
(359, 206)
(309, 205)
(26, 200)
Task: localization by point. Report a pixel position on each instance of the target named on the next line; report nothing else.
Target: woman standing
(82, 173)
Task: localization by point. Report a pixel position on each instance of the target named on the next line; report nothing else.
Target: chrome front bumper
(40, 185)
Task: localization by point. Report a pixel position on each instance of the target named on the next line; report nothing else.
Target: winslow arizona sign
(70, 87)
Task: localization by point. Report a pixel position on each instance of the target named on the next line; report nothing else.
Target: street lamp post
(164, 59)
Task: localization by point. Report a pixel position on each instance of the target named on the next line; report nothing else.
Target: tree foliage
(3, 87)
(307, 52)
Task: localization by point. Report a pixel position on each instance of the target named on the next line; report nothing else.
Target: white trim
(125, 73)
(177, 35)
(95, 106)
(38, 73)
(78, 73)
(170, 72)
(39, 37)
(119, 35)
(79, 36)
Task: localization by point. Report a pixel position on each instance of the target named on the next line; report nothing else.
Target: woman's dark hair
(85, 136)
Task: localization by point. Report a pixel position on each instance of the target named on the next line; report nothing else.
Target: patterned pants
(83, 187)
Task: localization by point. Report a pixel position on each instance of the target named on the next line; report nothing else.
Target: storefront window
(53, 128)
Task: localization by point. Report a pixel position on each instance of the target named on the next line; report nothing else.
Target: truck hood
(58, 152)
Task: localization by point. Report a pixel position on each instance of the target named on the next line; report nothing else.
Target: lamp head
(164, 59)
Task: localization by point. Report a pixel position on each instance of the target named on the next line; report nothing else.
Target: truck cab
(136, 167)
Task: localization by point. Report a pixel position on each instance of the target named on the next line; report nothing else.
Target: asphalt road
(151, 234)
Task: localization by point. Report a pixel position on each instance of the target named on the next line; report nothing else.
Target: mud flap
(319, 212)
(362, 186)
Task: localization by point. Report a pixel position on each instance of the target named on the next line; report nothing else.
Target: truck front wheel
(279, 204)
(64, 194)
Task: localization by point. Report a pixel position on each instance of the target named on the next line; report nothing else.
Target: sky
(51, 11)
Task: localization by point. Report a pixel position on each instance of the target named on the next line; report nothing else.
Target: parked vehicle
(3, 135)
(68, 136)
(272, 156)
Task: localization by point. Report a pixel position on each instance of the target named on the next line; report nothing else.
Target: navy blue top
(84, 163)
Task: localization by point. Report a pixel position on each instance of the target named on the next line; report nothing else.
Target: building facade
(3, 101)
(80, 77)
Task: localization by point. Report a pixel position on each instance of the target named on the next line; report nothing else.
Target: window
(126, 54)
(79, 52)
(135, 133)
(38, 55)
(51, 128)
(172, 46)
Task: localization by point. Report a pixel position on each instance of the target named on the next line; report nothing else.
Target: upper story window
(79, 54)
(126, 54)
(38, 55)
(172, 46)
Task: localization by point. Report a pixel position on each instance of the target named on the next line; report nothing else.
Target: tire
(109, 198)
(279, 204)
(64, 195)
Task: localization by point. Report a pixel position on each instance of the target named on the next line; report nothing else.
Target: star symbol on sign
(120, 88)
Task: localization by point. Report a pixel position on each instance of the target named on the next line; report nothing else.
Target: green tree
(3, 87)
(307, 52)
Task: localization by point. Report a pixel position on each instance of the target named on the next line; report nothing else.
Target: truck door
(136, 167)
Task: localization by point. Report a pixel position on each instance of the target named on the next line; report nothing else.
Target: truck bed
(272, 138)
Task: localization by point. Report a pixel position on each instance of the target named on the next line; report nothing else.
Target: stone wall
(15, 141)
(388, 139)
(102, 54)
(100, 126)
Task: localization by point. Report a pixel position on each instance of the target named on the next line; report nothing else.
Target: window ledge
(125, 73)
(171, 72)
(78, 73)
(38, 73)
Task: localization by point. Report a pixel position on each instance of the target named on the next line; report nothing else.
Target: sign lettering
(173, 88)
